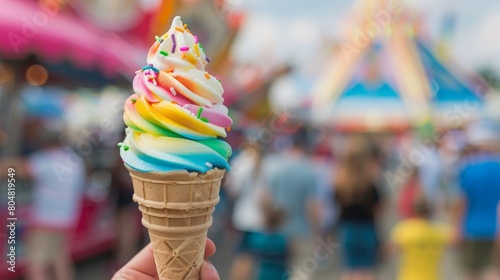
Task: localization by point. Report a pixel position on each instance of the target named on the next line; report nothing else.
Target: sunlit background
(410, 76)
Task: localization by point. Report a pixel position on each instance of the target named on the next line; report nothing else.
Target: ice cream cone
(177, 211)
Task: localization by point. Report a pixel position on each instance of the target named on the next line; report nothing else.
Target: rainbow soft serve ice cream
(176, 114)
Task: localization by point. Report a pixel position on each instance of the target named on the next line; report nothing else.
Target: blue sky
(283, 29)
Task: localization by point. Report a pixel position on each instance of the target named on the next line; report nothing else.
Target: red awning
(26, 27)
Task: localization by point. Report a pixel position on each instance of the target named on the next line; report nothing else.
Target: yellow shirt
(422, 244)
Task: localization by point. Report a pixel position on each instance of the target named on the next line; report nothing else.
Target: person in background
(421, 243)
(476, 208)
(359, 202)
(430, 176)
(408, 194)
(293, 187)
(324, 165)
(127, 215)
(271, 247)
(496, 257)
(58, 174)
(245, 185)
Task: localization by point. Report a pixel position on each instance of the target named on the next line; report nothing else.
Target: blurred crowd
(64, 196)
(304, 199)
(300, 202)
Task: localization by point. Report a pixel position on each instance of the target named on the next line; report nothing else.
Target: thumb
(208, 272)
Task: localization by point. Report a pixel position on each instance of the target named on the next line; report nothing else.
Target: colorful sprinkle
(150, 66)
(133, 100)
(204, 120)
(185, 25)
(172, 90)
(228, 129)
(158, 39)
(184, 49)
(174, 45)
(201, 46)
(207, 75)
(173, 102)
(195, 39)
(125, 147)
(188, 31)
(197, 50)
(179, 29)
(120, 144)
(193, 59)
(208, 164)
(170, 70)
(199, 112)
(207, 59)
(183, 55)
(164, 53)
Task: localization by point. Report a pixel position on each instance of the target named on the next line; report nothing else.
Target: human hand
(142, 266)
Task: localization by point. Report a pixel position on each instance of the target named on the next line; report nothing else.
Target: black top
(361, 208)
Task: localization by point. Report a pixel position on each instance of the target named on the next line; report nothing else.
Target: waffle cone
(177, 211)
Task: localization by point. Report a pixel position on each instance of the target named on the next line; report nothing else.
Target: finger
(209, 248)
(208, 272)
(142, 266)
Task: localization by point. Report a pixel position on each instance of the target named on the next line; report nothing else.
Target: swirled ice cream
(176, 114)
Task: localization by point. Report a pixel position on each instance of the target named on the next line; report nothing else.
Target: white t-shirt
(247, 213)
(59, 176)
